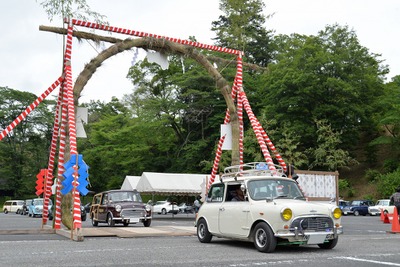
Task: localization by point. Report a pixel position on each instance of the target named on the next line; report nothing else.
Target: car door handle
(221, 209)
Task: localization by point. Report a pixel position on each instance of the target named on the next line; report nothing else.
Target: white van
(13, 206)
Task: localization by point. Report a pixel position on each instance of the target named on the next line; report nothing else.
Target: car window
(273, 188)
(216, 193)
(125, 196)
(104, 200)
(37, 202)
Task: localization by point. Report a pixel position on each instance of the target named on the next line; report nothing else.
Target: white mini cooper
(255, 204)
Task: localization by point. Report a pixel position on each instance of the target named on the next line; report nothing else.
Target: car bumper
(309, 237)
(131, 219)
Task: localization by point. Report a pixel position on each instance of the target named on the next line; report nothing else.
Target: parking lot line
(370, 261)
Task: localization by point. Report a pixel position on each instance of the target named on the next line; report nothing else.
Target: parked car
(83, 213)
(13, 206)
(185, 208)
(87, 207)
(35, 208)
(119, 206)
(381, 204)
(273, 211)
(25, 208)
(358, 207)
(342, 204)
(164, 207)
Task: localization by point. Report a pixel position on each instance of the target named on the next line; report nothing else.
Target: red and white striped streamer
(216, 161)
(73, 147)
(61, 156)
(254, 123)
(52, 155)
(29, 109)
(144, 34)
(77, 223)
(273, 148)
(239, 86)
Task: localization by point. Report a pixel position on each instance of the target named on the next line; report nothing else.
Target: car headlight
(286, 214)
(118, 208)
(148, 207)
(336, 212)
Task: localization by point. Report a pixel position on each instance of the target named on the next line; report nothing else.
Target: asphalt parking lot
(162, 225)
(366, 242)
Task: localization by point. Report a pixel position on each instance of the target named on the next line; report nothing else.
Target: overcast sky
(31, 60)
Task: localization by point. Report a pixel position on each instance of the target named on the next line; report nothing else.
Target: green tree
(78, 9)
(327, 155)
(325, 77)
(24, 150)
(388, 121)
(387, 183)
(242, 27)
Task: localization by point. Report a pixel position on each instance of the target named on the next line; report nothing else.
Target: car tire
(125, 223)
(147, 223)
(94, 222)
(356, 213)
(5, 211)
(203, 234)
(263, 237)
(330, 244)
(163, 211)
(110, 220)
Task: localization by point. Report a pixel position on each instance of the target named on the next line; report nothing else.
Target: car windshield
(37, 202)
(274, 188)
(383, 203)
(128, 196)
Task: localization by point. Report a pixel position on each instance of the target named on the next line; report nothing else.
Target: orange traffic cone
(382, 216)
(395, 222)
(386, 218)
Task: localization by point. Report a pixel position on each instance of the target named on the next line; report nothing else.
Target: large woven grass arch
(64, 130)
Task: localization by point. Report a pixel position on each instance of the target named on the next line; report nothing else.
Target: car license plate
(134, 220)
(316, 239)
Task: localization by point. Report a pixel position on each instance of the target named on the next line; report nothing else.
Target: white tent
(130, 182)
(167, 183)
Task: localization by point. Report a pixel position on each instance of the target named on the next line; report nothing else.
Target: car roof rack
(233, 173)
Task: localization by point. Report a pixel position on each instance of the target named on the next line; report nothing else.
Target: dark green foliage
(326, 77)
(24, 151)
(388, 183)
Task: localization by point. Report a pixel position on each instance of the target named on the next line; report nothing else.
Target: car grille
(316, 224)
(132, 213)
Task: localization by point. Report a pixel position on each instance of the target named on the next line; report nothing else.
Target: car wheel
(5, 211)
(18, 211)
(146, 223)
(330, 244)
(126, 223)
(203, 234)
(94, 222)
(356, 213)
(264, 239)
(110, 220)
(163, 211)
